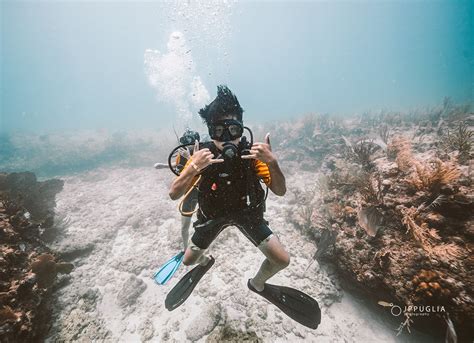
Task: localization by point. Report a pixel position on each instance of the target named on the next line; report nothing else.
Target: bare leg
(185, 223)
(190, 204)
(194, 255)
(277, 258)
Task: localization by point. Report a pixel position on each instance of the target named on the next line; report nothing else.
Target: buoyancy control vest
(230, 188)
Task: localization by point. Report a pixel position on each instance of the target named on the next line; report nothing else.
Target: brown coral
(46, 269)
(383, 258)
(362, 154)
(7, 315)
(428, 238)
(431, 176)
(370, 188)
(425, 198)
(460, 140)
(401, 148)
(429, 286)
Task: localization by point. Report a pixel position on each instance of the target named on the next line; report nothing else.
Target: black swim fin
(186, 285)
(297, 305)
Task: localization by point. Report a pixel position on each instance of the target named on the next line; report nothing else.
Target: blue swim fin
(169, 268)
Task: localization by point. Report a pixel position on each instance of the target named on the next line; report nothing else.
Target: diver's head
(223, 117)
(227, 130)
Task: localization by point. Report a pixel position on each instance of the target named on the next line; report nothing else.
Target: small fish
(328, 238)
(385, 304)
(370, 219)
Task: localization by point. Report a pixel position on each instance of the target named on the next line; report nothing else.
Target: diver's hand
(262, 151)
(202, 158)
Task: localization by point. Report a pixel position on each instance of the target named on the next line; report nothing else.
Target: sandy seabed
(119, 225)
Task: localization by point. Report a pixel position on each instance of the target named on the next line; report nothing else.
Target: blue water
(81, 65)
(85, 84)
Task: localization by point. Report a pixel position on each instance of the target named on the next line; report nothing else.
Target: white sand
(126, 217)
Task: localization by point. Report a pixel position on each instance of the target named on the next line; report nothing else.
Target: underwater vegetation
(459, 139)
(28, 268)
(393, 210)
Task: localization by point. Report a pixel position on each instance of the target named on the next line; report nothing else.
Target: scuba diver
(228, 173)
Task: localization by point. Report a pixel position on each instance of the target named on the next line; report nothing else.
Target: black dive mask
(226, 130)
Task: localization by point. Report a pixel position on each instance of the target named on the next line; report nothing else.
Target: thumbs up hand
(262, 151)
(267, 140)
(196, 146)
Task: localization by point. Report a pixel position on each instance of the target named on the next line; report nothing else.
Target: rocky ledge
(28, 268)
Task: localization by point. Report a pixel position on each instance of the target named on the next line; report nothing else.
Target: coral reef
(27, 267)
(390, 211)
(402, 217)
(459, 139)
(306, 140)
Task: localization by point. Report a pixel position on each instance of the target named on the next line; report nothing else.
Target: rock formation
(27, 267)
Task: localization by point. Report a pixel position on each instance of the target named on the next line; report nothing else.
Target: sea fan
(305, 214)
(370, 188)
(430, 177)
(421, 233)
(384, 133)
(401, 148)
(362, 152)
(460, 140)
(440, 200)
(447, 251)
(428, 239)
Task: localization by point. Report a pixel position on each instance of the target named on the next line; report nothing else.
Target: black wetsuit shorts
(254, 228)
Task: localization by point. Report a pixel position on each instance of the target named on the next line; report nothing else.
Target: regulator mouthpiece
(229, 151)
